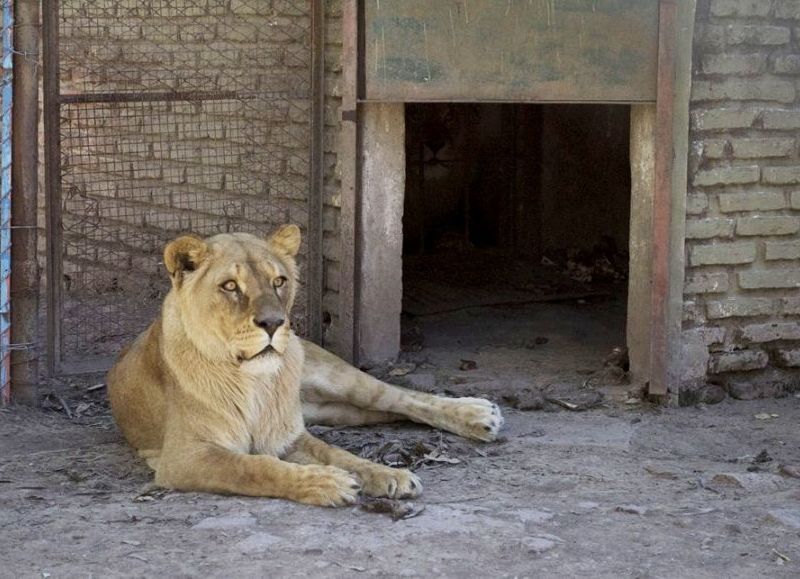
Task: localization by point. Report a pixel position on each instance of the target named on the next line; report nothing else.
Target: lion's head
(233, 293)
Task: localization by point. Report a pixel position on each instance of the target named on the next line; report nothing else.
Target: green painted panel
(510, 50)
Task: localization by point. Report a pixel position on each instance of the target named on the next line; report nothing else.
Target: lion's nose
(270, 325)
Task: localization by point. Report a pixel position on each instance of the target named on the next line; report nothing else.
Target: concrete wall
(742, 294)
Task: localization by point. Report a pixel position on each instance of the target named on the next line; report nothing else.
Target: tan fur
(214, 403)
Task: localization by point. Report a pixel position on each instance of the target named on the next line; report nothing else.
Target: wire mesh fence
(173, 116)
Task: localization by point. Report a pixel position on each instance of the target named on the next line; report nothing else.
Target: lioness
(214, 393)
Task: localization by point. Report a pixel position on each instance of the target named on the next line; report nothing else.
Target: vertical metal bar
(6, 152)
(659, 338)
(314, 273)
(348, 151)
(52, 173)
(25, 280)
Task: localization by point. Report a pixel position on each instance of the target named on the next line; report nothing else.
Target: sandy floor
(621, 490)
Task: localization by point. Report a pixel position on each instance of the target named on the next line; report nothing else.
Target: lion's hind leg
(344, 414)
(328, 379)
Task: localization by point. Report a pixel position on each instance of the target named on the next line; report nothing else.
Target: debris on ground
(572, 398)
(765, 416)
(397, 510)
(467, 365)
(412, 339)
(631, 509)
(401, 450)
(762, 457)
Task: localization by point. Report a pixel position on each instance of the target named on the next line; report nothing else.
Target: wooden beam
(662, 198)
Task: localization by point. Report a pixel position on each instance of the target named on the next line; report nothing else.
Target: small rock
(540, 340)
(422, 381)
(632, 509)
(749, 481)
(711, 394)
(525, 399)
(537, 545)
(227, 522)
(258, 542)
(790, 470)
(588, 505)
(788, 517)
(402, 369)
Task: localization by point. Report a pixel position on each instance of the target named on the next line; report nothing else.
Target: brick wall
(742, 292)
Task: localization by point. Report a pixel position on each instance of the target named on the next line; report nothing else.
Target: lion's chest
(273, 416)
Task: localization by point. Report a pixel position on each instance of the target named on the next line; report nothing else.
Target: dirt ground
(622, 489)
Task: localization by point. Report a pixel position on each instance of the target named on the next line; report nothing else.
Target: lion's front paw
(326, 486)
(395, 483)
(475, 418)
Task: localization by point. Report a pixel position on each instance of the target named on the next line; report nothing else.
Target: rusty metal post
(662, 198)
(349, 167)
(52, 174)
(25, 268)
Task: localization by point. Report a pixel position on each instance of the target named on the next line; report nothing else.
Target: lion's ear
(285, 240)
(184, 254)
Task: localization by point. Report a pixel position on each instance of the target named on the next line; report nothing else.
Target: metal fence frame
(53, 101)
(6, 104)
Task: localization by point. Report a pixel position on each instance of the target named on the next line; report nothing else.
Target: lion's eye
(230, 286)
(279, 281)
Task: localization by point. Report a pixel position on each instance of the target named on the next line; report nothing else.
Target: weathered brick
(758, 225)
(787, 9)
(781, 120)
(715, 119)
(714, 148)
(771, 332)
(787, 64)
(765, 147)
(782, 175)
(693, 312)
(708, 228)
(790, 306)
(739, 307)
(739, 64)
(795, 200)
(723, 254)
(788, 358)
(755, 201)
(742, 89)
(740, 7)
(740, 361)
(769, 279)
(706, 283)
(696, 203)
(727, 176)
(783, 250)
(758, 34)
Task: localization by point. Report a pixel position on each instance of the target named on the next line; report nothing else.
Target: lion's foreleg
(377, 480)
(217, 470)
